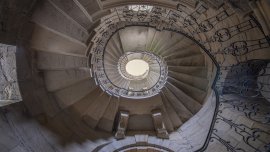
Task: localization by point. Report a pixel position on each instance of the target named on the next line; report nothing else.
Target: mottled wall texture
(9, 88)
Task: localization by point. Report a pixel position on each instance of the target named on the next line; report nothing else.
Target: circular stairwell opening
(137, 68)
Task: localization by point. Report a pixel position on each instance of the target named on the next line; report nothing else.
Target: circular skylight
(137, 67)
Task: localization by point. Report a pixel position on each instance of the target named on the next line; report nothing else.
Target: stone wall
(21, 133)
(9, 88)
(14, 14)
(241, 125)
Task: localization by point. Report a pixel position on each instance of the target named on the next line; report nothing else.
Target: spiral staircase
(178, 72)
(78, 63)
(182, 96)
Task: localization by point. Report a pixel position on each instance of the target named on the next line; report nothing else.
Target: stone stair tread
(183, 113)
(191, 91)
(183, 44)
(96, 110)
(197, 82)
(112, 52)
(59, 79)
(50, 16)
(54, 61)
(167, 119)
(134, 43)
(80, 107)
(196, 60)
(116, 44)
(74, 11)
(198, 71)
(74, 93)
(176, 121)
(191, 104)
(107, 120)
(185, 52)
(49, 41)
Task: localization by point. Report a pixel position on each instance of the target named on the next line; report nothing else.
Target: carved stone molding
(122, 125)
(161, 130)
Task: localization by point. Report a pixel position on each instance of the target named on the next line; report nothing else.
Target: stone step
(50, 16)
(107, 120)
(47, 40)
(183, 113)
(112, 52)
(117, 45)
(176, 121)
(80, 107)
(197, 71)
(197, 82)
(72, 9)
(182, 53)
(191, 91)
(96, 110)
(56, 80)
(151, 33)
(136, 42)
(47, 101)
(110, 64)
(191, 104)
(116, 78)
(175, 39)
(53, 61)
(159, 41)
(78, 130)
(167, 121)
(183, 44)
(196, 60)
(90, 8)
(74, 93)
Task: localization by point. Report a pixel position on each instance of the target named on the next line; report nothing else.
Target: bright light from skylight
(137, 67)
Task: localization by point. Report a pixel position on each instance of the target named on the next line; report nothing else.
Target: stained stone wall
(14, 14)
(241, 125)
(9, 88)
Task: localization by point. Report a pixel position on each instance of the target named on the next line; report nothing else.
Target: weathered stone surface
(9, 88)
(13, 15)
(49, 16)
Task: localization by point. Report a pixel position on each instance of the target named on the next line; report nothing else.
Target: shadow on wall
(21, 132)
